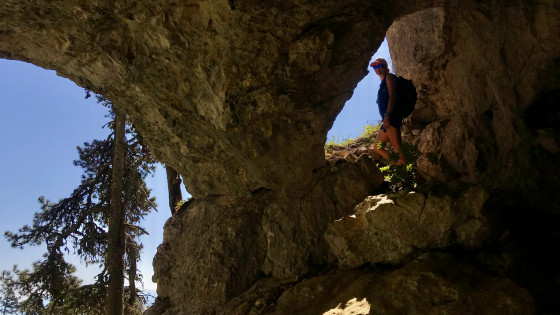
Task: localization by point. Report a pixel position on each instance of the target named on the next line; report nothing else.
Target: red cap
(378, 61)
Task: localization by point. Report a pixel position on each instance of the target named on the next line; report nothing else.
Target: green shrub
(402, 175)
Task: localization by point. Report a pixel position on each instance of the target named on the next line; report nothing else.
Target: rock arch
(216, 91)
(238, 97)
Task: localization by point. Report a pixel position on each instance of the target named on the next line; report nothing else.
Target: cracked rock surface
(433, 283)
(481, 70)
(387, 231)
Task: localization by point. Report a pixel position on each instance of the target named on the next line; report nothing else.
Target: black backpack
(406, 97)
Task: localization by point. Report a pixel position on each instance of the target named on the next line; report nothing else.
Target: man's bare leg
(394, 135)
(381, 137)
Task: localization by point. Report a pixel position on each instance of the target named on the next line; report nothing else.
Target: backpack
(406, 97)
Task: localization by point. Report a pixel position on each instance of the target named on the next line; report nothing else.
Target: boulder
(434, 283)
(388, 230)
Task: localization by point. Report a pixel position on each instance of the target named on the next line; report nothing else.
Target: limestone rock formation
(238, 96)
(431, 284)
(218, 247)
(387, 231)
(234, 95)
(478, 69)
(434, 284)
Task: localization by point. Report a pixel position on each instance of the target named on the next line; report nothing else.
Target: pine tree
(8, 300)
(79, 224)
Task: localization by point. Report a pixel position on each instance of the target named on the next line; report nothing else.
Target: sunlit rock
(388, 231)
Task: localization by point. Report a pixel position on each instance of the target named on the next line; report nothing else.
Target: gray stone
(432, 284)
(388, 231)
(216, 248)
(476, 67)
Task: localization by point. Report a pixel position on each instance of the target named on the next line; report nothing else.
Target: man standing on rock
(386, 100)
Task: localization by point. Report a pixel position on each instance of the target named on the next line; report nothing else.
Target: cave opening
(361, 109)
(43, 118)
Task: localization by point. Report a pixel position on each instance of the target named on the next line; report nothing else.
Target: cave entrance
(361, 109)
(43, 117)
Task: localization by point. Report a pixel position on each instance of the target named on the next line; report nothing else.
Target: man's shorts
(394, 121)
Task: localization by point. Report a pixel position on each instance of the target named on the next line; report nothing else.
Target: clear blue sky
(361, 109)
(43, 117)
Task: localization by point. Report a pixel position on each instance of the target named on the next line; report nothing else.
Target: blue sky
(361, 108)
(43, 117)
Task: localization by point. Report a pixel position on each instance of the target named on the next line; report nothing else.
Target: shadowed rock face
(216, 248)
(479, 68)
(238, 96)
(433, 284)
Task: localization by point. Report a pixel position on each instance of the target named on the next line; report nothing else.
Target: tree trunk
(116, 234)
(174, 188)
(132, 253)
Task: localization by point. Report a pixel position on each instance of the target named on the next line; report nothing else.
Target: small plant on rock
(402, 175)
(366, 135)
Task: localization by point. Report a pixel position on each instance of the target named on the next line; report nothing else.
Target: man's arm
(392, 87)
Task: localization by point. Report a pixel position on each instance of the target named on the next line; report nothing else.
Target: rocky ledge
(412, 253)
